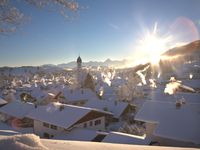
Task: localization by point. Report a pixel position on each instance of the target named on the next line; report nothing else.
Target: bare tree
(12, 17)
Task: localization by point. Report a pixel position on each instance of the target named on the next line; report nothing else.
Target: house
(158, 95)
(6, 130)
(54, 118)
(9, 95)
(77, 96)
(15, 113)
(118, 109)
(170, 123)
(82, 134)
(123, 138)
(194, 83)
(2, 102)
(38, 94)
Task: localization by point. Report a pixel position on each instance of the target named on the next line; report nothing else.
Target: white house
(15, 112)
(2, 102)
(82, 134)
(77, 96)
(117, 108)
(123, 138)
(55, 118)
(158, 95)
(171, 124)
(17, 109)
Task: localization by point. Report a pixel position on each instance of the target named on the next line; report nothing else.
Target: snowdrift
(22, 142)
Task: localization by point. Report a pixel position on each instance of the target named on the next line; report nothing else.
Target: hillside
(184, 50)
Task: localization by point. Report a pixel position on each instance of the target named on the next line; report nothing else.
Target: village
(103, 104)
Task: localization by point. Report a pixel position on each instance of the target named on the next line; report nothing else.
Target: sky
(102, 29)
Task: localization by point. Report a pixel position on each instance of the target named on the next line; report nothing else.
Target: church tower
(79, 62)
(79, 72)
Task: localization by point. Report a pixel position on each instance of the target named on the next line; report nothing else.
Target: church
(84, 78)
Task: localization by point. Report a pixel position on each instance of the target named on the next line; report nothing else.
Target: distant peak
(108, 60)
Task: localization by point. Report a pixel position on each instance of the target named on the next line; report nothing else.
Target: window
(97, 122)
(46, 135)
(91, 123)
(85, 125)
(53, 127)
(45, 124)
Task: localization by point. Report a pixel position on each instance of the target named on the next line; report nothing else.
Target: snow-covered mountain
(108, 62)
(191, 48)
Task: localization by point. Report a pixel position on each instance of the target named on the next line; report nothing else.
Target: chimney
(178, 104)
(61, 107)
(35, 105)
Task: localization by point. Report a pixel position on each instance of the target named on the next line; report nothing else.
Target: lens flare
(153, 45)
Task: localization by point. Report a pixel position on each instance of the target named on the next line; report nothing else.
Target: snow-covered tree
(129, 90)
(12, 17)
(89, 82)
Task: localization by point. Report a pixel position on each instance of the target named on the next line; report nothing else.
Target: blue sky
(105, 29)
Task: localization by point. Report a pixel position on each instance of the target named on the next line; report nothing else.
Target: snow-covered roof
(123, 138)
(78, 134)
(115, 107)
(2, 101)
(188, 97)
(194, 83)
(38, 94)
(175, 123)
(17, 109)
(6, 130)
(65, 118)
(79, 94)
(82, 134)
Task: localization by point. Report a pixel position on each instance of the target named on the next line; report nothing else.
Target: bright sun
(152, 46)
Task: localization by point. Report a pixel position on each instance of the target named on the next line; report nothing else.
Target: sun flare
(152, 45)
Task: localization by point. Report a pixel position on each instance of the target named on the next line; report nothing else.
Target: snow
(33, 142)
(51, 114)
(22, 142)
(79, 94)
(17, 109)
(175, 123)
(117, 108)
(188, 97)
(76, 145)
(6, 130)
(65, 118)
(123, 138)
(38, 94)
(2, 101)
(194, 83)
(78, 134)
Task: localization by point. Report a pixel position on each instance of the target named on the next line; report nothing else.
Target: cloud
(114, 26)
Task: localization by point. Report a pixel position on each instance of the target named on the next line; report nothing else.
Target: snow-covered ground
(33, 142)
(75, 145)
(123, 93)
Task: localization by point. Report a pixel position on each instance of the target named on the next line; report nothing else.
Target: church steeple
(79, 62)
(79, 72)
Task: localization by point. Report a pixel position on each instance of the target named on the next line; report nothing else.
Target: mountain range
(107, 62)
